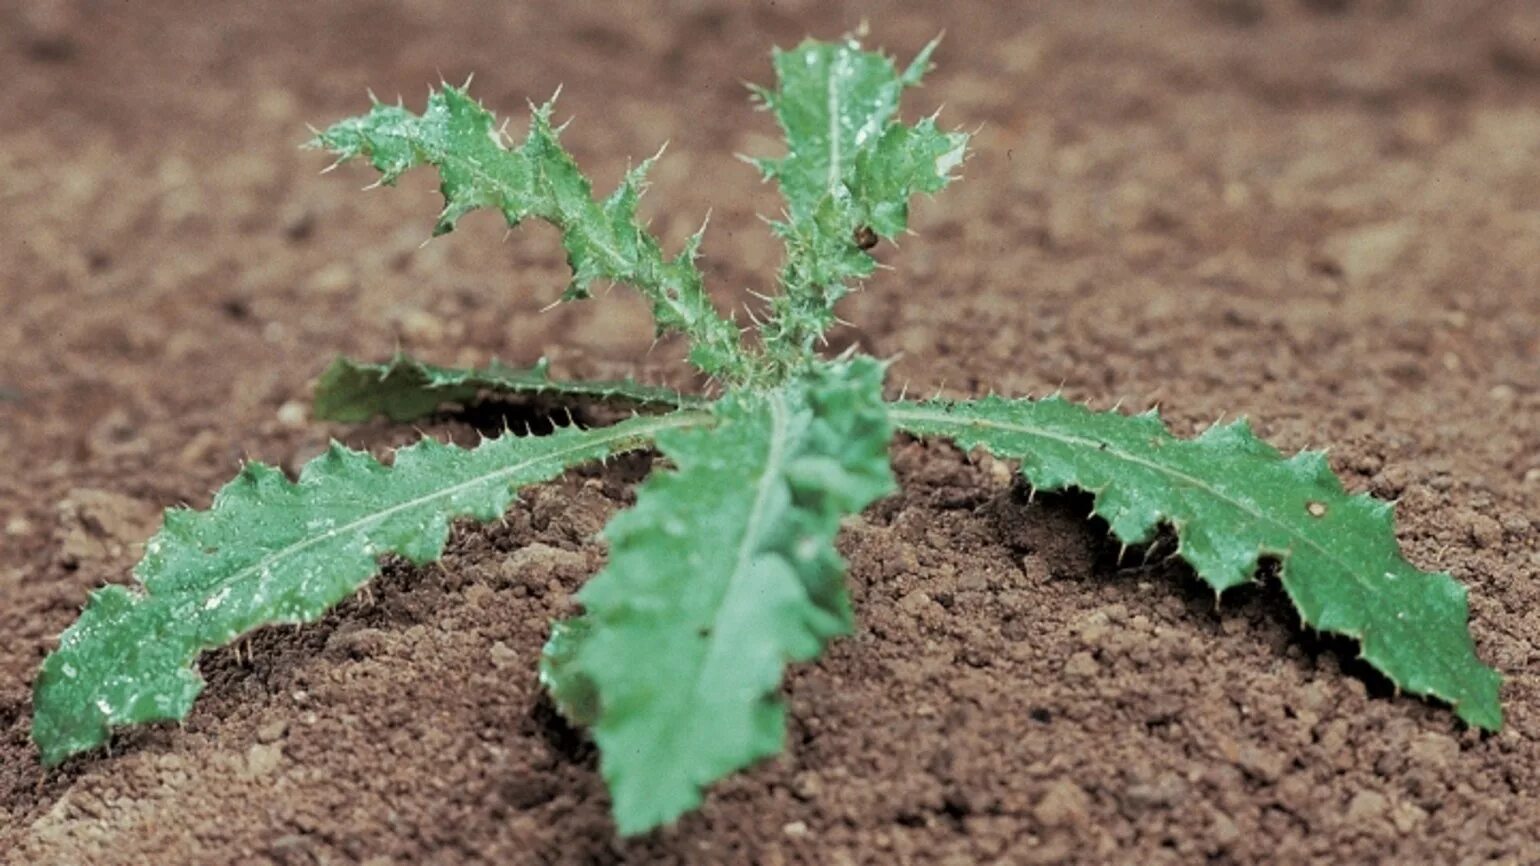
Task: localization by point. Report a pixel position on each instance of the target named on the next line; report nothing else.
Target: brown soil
(1320, 214)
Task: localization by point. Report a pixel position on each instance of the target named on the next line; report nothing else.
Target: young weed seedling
(725, 570)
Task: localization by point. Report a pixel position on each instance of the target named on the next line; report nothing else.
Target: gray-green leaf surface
(405, 389)
(850, 167)
(274, 551)
(723, 572)
(604, 240)
(1233, 500)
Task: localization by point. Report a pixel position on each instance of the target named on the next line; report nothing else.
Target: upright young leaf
(848, 174)
(275, 551)
(1233, 500)
(723, 572)
(405, 389)
(604, 240)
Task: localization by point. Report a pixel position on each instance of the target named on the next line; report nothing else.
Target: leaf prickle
(405, 389)
(604, 241)
(723, 572)
(274, 551)
(850, 171)
(1233, 501)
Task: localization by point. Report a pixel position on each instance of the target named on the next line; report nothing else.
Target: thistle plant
(725, 571)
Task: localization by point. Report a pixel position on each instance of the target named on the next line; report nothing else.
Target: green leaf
(604, 240)
(275, 551)
(405, 389)
(572, 691)
(850, 168)
(723, 572)
(1233, 500)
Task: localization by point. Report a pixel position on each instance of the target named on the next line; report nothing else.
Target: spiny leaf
(723, 572)
(604, 241)
(1233, 500)
(405, 389)
(275, 551)
(850, 169)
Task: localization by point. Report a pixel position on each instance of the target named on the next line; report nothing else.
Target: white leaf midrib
(924, 414)
(609, 436)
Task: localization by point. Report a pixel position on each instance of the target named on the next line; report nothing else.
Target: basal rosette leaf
(723, 572)
(405, 389)
(1233, 500)
(850, 168)
(274, 551)
(604, 240)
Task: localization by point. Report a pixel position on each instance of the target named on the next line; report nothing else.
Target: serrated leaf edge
(905, 414)
(678, 301)
(835, 465)
(454, 384)
(629, 434)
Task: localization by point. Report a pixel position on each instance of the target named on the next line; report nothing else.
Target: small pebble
(502, 656)
(263, 758)
(272, 731)
(1367, 806)
(1064, 805)
(1485, 531)
(293, 414)
(1225, 832)
(1081, 665)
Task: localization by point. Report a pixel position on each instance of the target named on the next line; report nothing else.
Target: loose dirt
(1318, 214)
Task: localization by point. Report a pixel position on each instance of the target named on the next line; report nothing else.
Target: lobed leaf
(1234, 500)
(603, 240)
(405, 389)
(850, 168)
(723, 572)
(275, 551)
